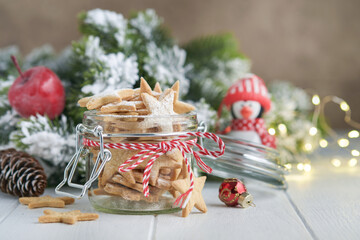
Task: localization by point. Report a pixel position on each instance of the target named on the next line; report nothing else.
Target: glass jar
(110, 190)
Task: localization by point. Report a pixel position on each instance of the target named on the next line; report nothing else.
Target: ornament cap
(246, 200)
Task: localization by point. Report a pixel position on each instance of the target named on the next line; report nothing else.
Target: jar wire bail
(104, 156)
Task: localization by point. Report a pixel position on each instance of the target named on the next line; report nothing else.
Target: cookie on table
(196, 199)
(46, 201)
(70, 217)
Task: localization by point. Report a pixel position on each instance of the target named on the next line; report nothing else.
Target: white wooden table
(324, 204)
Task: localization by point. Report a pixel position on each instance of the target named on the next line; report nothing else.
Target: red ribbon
(155, 150)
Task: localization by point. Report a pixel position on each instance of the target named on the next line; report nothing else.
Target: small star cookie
(118, 178)
(179, 106)
(131, 194)
(46, 201)
(70, 217)
(162, 162)
(123, 106)
(163, 106)
(196, 199)
(102, 99)
(157, 88)
(144, 87)
(111, 167)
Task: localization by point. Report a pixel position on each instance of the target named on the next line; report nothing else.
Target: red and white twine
(155, 150)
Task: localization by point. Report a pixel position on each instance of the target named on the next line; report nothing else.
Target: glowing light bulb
(307, 167)
(353, 134)
(344, 106)
(352, 162)
(336, 162)
(300, 166)
(315, 99)
(288, 166)
(271, 131)
(343, 142)
(313, 131)
(308, 147)
(282, 128)
(355, 153)
(323, 143)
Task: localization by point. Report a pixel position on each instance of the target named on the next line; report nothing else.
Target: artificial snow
(118, 71)
(5, 60)
(108, 21)
(204, 112)
(167, 65)
(146, 22)
(46, 141)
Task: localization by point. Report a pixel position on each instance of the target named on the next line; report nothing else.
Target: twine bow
(155, 150)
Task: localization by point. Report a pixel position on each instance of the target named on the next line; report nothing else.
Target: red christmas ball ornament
(233, 192)
(37, 90)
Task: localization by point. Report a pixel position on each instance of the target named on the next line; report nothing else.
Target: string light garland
(342, 142)
(318, 119)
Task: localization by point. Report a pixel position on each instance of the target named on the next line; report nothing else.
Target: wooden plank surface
(22, 223)
(328, 199)
(272, 218)
(323, 204)
(8, 204)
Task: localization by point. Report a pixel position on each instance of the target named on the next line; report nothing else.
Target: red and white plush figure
(247, 100)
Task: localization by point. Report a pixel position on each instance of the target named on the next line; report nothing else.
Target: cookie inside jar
(138, 116)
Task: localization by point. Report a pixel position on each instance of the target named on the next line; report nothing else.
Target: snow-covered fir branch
(8, 122)
(43, 55)
(226, 71)
(108, 22)
(291, 106)
(5, 60)
(5, 84)
(118, 71)
(93, 50)
(167, 65)
(146, 22)
(9, 119)
(204, 112)
(288, 102)
(42, 138)
(231, 70)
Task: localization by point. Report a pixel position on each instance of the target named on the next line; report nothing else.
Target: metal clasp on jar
(103, 157)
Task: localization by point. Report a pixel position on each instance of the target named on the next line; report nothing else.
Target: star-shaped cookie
(179, 106)
(157, 88)
(131, 194)
(46, 201)
(101, 99)
(162, 162)
(144, 87)
(196, 199)
(163, 106)
(111, 167)
(70, 217)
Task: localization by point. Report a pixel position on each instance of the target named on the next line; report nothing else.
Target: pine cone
(21, 174)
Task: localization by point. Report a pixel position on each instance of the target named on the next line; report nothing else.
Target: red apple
(38, 90)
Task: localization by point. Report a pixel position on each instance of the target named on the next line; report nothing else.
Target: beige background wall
(312, 43)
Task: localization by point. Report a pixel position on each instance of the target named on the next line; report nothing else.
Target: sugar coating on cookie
(163, 106)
